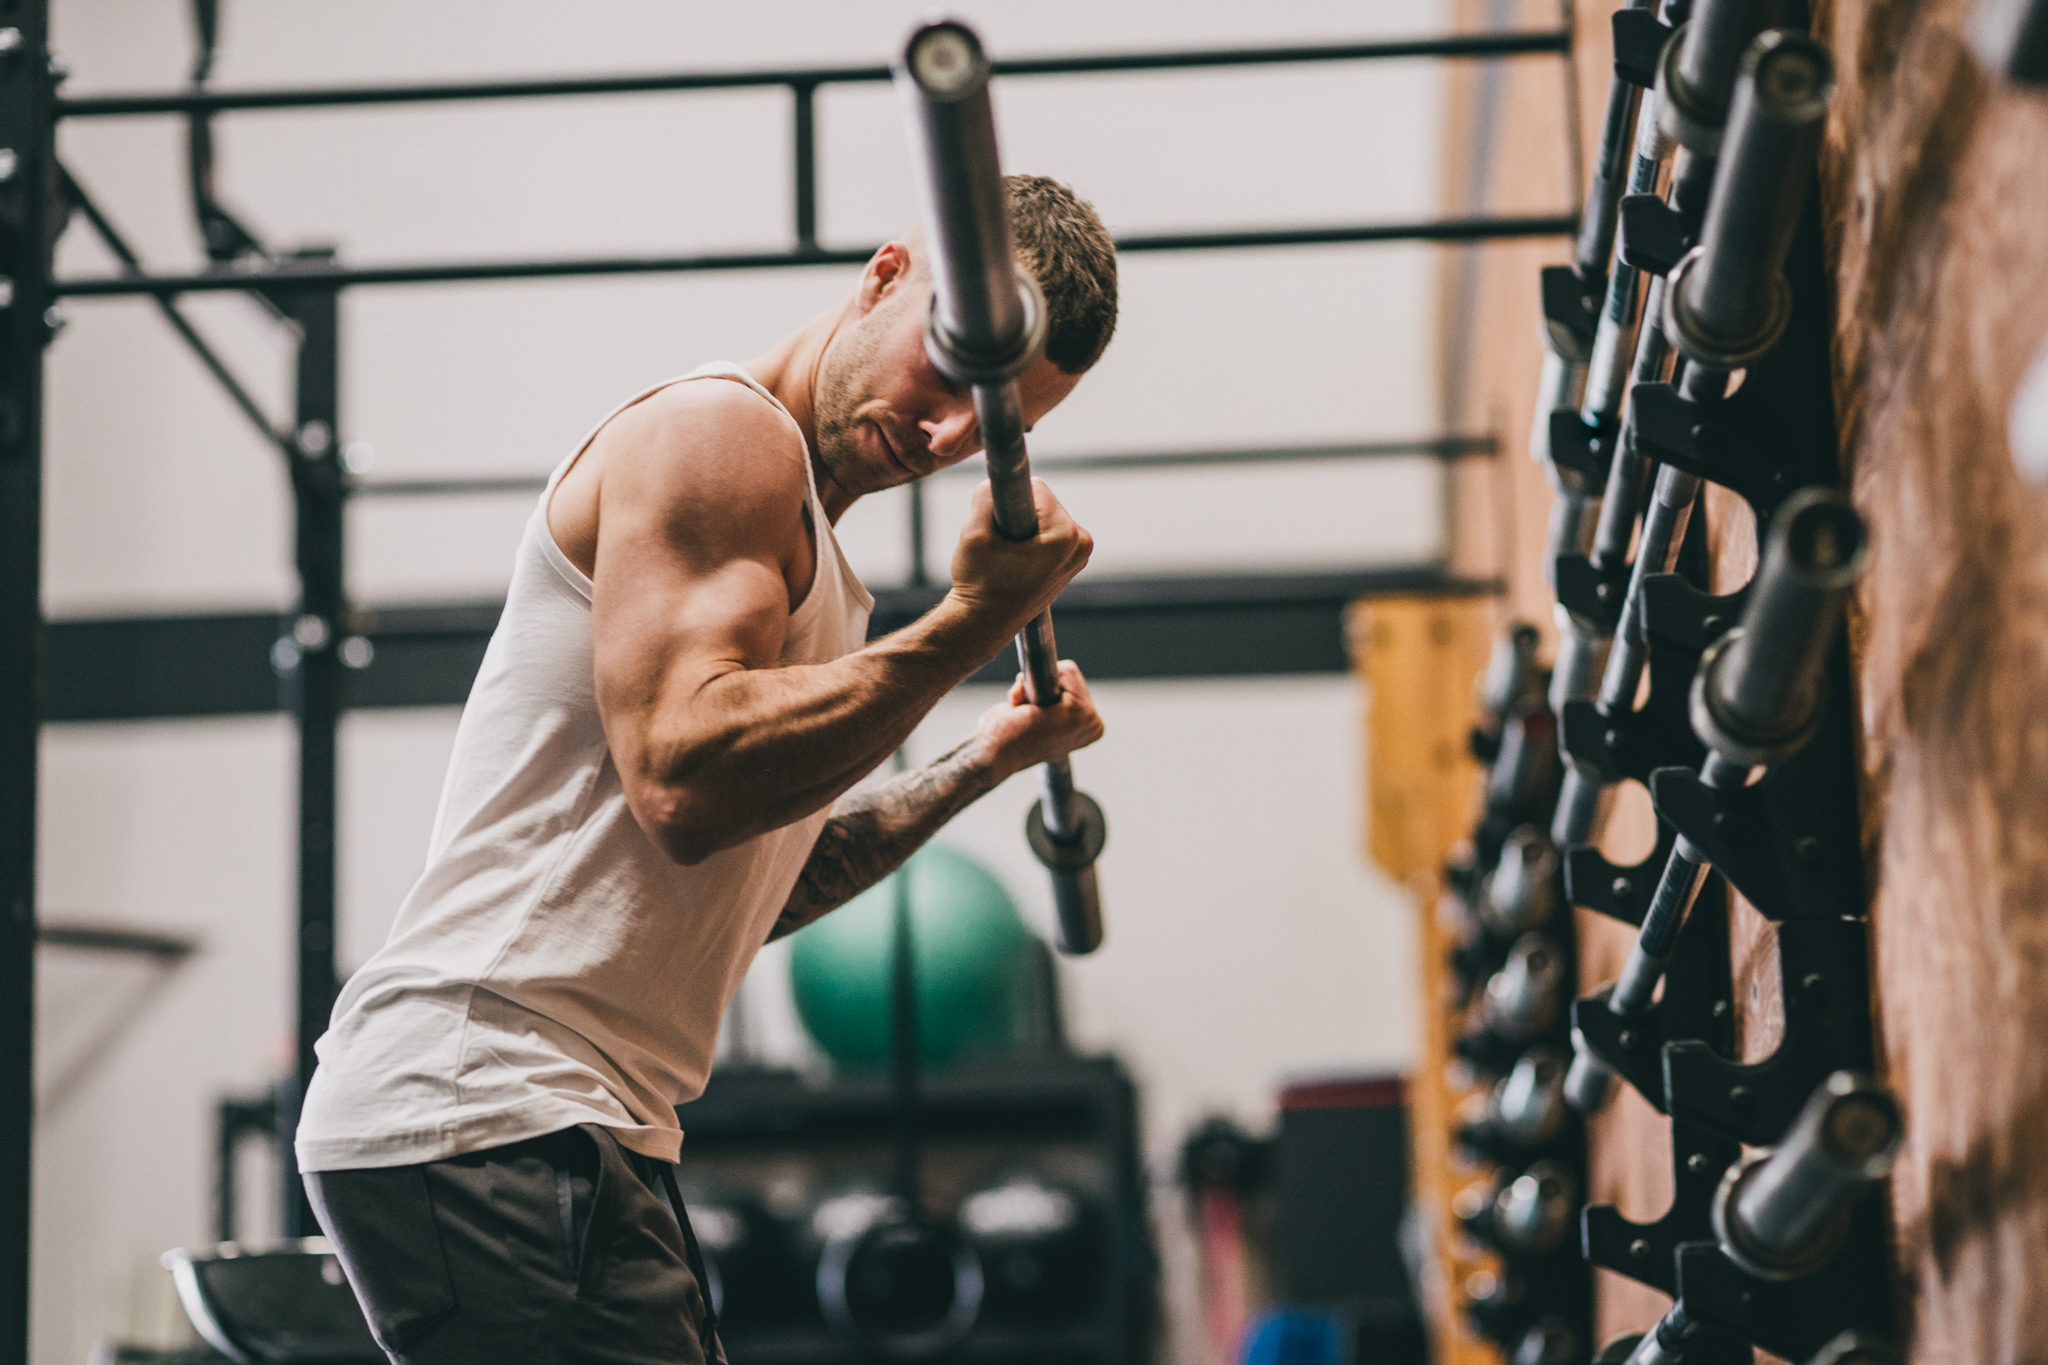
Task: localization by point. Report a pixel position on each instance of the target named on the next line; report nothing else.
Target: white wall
(1249, 939)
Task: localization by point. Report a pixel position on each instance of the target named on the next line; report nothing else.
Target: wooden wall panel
(1936, 178)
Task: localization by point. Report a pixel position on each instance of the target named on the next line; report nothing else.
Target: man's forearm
(755, 749)
(872, 832)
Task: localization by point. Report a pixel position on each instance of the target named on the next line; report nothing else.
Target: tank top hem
(546, 1114)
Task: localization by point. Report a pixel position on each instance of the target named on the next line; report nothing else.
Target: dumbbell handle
(986, 326)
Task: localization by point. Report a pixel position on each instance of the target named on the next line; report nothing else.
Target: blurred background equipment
(1032, 1156)
(981, 1199)
(983, 982)
(288, 1304)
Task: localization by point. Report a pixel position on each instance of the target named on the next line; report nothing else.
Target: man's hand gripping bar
(986, 327)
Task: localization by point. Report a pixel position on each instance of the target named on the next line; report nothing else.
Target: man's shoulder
(707, 436)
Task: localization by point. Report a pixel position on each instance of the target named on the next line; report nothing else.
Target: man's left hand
(1016, 735)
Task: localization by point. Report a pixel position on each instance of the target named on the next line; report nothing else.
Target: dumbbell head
(1589, 1084)
(1511, 680)
(1549, 1342)
(1536, 1210)
(1524, 998)
(1529, 1104)
(1522, 892)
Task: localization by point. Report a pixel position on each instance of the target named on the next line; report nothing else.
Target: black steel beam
(1261, 625)
(313, 688)
(27, 165)
(1476, 45)
(1436, 448)
(104, 938)
(250, 274)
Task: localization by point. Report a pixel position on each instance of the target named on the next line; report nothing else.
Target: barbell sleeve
(1759, 689)
(1696, 75)
(1782, 1214)
(1578, 807)
(1728, 301)
(985, 328)
(943, 75)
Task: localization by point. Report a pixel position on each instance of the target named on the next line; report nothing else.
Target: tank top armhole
(820, 524)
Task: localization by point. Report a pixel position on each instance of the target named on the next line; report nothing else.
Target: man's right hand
(1009, 582)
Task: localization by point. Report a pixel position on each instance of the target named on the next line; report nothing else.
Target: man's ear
(888, 270)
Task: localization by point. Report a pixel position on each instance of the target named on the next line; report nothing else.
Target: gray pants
(560, 1250)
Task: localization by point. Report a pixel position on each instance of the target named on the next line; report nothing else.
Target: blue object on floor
(1296, 1336)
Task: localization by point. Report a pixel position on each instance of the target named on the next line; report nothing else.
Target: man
(642, 793)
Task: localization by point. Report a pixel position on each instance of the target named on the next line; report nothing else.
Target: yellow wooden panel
(1417, 659)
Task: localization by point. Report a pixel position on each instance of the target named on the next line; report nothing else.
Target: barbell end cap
(963, 365)
(944, 60)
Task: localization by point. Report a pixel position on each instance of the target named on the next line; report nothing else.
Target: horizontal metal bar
(1478, 45)
(290, 273)
(453, 486)
(1438, 448)
(101, 938)
(1425, 230)
(1243, 625)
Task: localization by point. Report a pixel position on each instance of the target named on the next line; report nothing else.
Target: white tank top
(552, 966)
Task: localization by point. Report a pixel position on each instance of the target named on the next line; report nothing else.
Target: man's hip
(560, 1249)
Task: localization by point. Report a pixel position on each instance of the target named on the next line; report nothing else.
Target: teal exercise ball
(974, 960)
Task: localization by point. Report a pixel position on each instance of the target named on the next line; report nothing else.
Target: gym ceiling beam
(1555, 42)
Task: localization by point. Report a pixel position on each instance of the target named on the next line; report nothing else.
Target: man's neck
(790, 371)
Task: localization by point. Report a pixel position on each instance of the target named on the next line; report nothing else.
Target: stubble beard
(844, 385)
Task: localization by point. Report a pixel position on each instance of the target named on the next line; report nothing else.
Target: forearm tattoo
(871, 833)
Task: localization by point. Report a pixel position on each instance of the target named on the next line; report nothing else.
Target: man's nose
(951, 434)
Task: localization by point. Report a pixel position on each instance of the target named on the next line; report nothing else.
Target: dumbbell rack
(1524, 1291)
